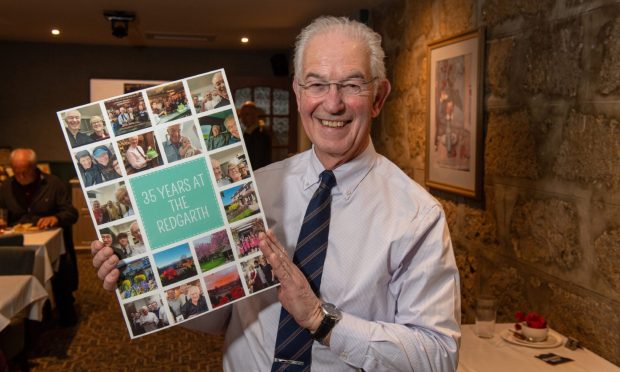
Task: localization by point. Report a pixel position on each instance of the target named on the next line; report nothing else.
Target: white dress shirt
(389, 267)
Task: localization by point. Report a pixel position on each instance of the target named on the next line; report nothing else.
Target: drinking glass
(486, 312)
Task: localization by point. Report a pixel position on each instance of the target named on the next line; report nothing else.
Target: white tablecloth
(495, 354)
(50, 246)
(19, 292)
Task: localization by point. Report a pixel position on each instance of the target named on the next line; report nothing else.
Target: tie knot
(328, 180)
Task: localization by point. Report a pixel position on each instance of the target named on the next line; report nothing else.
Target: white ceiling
(270, 24)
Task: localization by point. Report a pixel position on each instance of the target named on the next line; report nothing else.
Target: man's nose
(332, 101)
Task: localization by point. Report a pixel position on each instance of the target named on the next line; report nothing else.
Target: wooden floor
(100, 340)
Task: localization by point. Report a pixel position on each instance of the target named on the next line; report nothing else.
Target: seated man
(43, 200)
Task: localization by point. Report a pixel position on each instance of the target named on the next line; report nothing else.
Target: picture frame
(454, 138)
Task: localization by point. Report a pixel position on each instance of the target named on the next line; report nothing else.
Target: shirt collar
(348, 175)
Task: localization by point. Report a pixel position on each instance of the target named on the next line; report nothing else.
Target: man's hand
(295, 293)
(105, 261)
(47, 222)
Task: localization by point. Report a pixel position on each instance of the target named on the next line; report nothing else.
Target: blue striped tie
(293, 344)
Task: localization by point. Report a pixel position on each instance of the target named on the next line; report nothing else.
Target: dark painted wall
(36, 80)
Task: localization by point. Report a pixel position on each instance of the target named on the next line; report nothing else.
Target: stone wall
(546, 234)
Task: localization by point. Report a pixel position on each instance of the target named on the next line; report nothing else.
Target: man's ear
(383, 90)
(297, 91)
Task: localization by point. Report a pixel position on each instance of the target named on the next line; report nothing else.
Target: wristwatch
(331, 316)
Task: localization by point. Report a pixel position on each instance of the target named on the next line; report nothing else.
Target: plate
(551, 341)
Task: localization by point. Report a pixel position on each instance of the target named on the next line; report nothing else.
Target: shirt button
(344, 355)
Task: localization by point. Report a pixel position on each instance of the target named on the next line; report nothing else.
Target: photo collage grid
(150, 133)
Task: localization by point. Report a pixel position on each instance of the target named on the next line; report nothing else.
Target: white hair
(27, 154)
(351, 28)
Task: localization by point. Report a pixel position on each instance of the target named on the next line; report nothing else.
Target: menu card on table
(169, 187)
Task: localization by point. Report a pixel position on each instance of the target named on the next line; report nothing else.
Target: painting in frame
(454, 133)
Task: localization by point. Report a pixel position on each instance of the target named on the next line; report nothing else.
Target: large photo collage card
(170, 189)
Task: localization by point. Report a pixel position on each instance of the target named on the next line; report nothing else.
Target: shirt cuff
(350, 340)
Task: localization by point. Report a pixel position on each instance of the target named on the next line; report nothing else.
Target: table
(495, 354)
(19, 292)
(50, 245)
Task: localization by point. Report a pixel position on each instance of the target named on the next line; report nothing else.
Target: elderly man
(173, 143)
(217, 171)
(257, 139)
(138, 247)
(73, 119)
(43, 200)
(382, 293)
(233, 131)
(220, 90)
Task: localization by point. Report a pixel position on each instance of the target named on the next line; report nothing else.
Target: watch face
(332, 311)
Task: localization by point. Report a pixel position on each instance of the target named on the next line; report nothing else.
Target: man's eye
(316, 85)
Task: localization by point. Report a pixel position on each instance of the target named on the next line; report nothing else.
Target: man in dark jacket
(31, 196)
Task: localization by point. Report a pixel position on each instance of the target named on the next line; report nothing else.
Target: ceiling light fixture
(245, 40)
(119, 21)
(55, 32)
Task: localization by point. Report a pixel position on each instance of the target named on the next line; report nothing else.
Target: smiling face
(73, 120)
(220, 86)
(338, 125)
(174, 131)
(231, 126)
(97, 125)
(103, 159)
(86, 162)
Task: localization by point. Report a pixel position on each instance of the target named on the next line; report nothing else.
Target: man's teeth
(332, 123)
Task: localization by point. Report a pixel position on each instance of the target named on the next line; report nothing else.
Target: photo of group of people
(224, 286)
(140, 136)
(186, 300)
(258, 274)
(240, 202)
(98, 164)
(127, 113)
(180, 141)
(110, 203)
(220, 129)
(125, 239)
(213, 250)
(85, 125)
(175, 264)
(245, 236)
(146, 315)
(168, 102)
(209, 91)
(139, 153)
(136, 278)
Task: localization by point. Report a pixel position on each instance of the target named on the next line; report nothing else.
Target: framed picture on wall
(454, 134)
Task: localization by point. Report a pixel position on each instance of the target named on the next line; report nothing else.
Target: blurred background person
(257, 138)
(31, 196)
